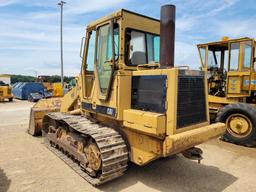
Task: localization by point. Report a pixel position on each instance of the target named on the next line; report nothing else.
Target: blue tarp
(22, 90)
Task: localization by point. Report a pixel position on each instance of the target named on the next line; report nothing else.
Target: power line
(61, 4)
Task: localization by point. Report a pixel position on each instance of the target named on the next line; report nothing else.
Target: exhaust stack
(167, 35)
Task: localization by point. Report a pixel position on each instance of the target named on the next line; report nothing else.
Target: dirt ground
(26, 165)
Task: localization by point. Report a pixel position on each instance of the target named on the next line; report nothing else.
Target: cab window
(214, 59)
(104, 57)
(91, 51)
(243, 48)
(153, 46)
(202, 55)
(141, 47)
(116, 40)
(234, 56)
(247, 51)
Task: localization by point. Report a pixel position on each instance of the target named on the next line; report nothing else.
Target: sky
(30, 40)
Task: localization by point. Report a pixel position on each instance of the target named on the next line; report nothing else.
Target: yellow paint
(57, 90)
(6, 93)
(146, 122)
(144, 148)
(239, 125)
(70, 101)
(224, 100)
(234, 85)
(176, 143)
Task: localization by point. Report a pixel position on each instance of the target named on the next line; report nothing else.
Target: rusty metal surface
(114, 153)
(167, 35)
(187, 139)
(39, 110)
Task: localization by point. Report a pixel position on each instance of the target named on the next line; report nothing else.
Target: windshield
(202, 52)
(214, 59)
(215, 56)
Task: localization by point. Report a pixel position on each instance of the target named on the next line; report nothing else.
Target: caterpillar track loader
(135, 105)
(230, 65)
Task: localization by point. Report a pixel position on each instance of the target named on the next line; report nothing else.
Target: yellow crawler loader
(134, 104)
(231, 71)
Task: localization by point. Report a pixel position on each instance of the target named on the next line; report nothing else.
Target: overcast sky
(29, 29)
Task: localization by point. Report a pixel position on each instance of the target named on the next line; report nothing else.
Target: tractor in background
(231, 73)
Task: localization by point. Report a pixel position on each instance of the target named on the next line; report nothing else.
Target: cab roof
(226, 41)
(116, 14)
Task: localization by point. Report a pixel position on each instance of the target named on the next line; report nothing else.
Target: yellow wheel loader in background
(231, 72)
(135, 105)
(5, 92)
(5, 88)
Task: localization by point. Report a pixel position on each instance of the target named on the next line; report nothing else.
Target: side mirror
(82, 47)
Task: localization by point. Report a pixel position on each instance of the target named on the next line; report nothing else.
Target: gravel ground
(26, 165)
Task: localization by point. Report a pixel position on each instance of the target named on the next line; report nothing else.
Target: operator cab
(228, 62)
(118, 41)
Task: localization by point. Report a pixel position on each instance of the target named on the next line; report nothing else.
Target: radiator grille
(191, 107)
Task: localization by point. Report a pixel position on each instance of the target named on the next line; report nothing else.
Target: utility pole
(61, 4)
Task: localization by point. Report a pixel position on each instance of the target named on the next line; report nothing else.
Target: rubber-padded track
(114, 153)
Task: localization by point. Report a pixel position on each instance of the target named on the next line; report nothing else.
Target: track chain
(114, 153)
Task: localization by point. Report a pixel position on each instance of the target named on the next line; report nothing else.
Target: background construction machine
(5, 88)
(5, 92)
(230, 65)
(55, 88)
(135, 105)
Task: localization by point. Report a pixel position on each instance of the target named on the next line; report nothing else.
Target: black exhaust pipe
(167, 35)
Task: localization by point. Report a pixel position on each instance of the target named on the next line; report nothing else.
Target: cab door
(203, 54)
(104, 59)
(240, 66)
(88, 57)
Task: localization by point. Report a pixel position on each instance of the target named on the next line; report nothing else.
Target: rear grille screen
(191, 107)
